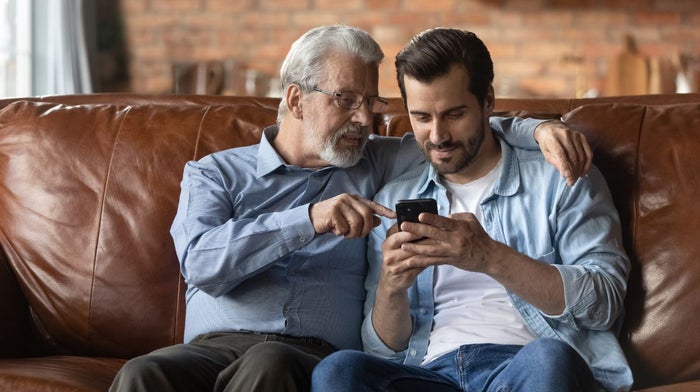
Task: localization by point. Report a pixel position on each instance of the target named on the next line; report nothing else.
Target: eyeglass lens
(351, 100)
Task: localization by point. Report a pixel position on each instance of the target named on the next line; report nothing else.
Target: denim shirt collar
(507, 184)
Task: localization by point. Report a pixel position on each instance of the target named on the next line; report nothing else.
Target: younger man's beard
(470, 151)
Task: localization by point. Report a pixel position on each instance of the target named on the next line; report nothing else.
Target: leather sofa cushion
(58, 373)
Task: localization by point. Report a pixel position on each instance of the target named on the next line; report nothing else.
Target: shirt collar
(269, 160)
(508, 181)
(432, 180)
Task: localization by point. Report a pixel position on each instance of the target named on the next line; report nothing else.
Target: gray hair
(305, 62)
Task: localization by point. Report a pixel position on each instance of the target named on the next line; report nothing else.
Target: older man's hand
(566, 149)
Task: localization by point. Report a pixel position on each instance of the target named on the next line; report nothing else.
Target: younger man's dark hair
(431, 54)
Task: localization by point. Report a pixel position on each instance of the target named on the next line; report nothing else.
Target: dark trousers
(226, 362)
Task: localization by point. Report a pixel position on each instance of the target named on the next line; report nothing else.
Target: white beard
(329, 151)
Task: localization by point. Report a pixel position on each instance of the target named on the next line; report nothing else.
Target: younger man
(518, 284)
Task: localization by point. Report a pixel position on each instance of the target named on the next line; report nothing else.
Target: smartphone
(407, 210)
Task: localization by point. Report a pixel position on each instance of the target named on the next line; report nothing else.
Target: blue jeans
(542, 365)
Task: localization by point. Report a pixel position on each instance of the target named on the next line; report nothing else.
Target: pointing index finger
(380, 209)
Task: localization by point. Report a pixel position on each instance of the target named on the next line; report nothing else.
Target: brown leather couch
(89, 185)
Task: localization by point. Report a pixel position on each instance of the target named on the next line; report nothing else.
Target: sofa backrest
(89, 186)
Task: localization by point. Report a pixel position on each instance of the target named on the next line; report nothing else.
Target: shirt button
(302, 239)
(412, 352)
(423, 311)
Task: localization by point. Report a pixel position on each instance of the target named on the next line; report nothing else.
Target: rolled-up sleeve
(594, 268)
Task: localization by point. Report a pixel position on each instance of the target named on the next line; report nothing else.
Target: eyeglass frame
(359, 99)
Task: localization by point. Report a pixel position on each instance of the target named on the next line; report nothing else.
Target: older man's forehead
(344, 72)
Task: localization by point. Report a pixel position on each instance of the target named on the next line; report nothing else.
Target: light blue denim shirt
(531, 209)
(249, 253)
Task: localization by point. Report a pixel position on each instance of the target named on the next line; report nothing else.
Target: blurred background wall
(541, 48)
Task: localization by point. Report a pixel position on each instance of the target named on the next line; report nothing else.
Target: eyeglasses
(350, 100)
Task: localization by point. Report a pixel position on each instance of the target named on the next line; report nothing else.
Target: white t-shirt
(472, 307)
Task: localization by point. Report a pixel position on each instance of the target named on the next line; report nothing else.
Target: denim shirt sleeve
(370, 340)
(217, 252)
(420, 295)
(517, 131)
(374, 345)
(594, 268)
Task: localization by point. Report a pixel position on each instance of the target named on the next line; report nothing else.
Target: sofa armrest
(15, 329)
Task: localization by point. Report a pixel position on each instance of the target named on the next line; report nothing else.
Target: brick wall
(547, 48)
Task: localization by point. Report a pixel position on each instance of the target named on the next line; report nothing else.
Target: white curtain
(61, 58)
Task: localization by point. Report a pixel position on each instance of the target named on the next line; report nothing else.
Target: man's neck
(290, 145)
(486, 159)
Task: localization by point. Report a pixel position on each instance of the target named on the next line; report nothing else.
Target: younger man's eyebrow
(452, 109)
